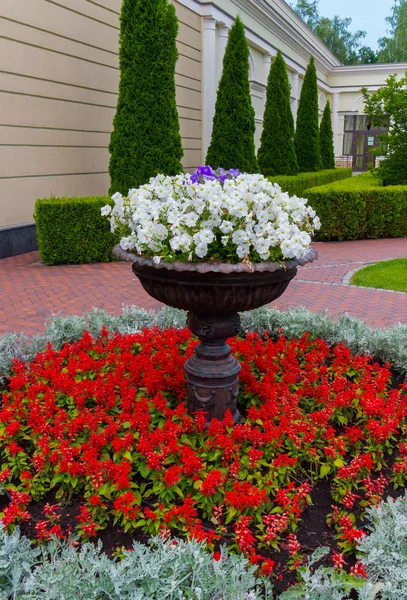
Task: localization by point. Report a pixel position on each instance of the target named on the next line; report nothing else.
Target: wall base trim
(17, 239)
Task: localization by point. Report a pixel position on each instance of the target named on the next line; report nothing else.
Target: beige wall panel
(187, 16)
(58, 91)
(39, 13)
(189, 113)
(113, 5)
(37, 62)
(40, 112)
(188, 98)
(18, 196)
(192, 159)
(89, 10)
(20, 161)
(188, 36)
(190, 129)
(185, 50)
(33, 37)
(26, 136)
(188, 67)
(47, 89)
(191, 144)
(187, 82)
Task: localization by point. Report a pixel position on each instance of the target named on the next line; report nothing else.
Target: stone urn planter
(213, 295)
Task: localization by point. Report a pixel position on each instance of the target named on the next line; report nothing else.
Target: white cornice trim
(374, 69)
(257, 85)
(194, 5)
(283, 23)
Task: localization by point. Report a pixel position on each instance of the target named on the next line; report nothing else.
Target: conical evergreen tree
(232, 144)
(276, 154)
(307, 145)
(146, 139)
(326, 137)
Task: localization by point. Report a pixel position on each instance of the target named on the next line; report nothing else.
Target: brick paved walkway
(31, 292)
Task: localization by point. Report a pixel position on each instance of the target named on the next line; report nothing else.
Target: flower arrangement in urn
(224, 216)
(213, 243)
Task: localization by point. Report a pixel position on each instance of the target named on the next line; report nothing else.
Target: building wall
(59, 78)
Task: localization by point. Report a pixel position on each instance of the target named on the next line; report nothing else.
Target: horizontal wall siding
(59, 78)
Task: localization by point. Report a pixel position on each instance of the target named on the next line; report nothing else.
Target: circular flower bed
(103, 424)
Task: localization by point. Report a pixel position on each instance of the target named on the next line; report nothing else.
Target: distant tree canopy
(394, 47)
(335, 33)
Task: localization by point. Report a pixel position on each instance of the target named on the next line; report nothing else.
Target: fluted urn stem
(212, 372)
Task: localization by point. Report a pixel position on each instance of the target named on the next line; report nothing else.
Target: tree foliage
(394, 47)
(307, 143)
(388, 108)
(146, 139)
(335, 34)
(276, 154)
(232, 144)
(327, 139)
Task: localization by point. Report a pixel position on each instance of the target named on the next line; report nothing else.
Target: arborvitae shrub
(276, 154)
(232, 143)
(146, 139)
(307, 144)
(326, 137)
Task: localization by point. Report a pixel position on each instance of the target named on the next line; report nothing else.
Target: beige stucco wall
(58, 90)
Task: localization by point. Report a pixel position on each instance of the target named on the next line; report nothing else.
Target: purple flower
(206, 173)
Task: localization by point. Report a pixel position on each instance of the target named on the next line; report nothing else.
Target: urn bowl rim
(216, 267)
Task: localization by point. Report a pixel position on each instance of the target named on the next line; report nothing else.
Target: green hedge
(72, 230)
(359, 208)
(296, 185)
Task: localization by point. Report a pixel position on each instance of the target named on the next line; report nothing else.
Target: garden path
(30, 292)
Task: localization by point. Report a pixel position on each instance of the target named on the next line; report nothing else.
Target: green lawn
(388, 275)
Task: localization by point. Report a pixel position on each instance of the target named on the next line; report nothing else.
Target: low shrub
(72, 230)
(166, 569)
(297, 184)
(359, 208)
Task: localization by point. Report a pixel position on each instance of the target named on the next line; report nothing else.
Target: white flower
(190, 219)
(239, 236)
(106, 210)
(201, 250)
(226, 226)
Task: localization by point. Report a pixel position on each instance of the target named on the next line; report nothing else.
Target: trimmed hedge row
(359, 208)
(297, 184)
(72, 230)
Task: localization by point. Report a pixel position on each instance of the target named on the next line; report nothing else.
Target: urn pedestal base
(212, 372)
(214, 294)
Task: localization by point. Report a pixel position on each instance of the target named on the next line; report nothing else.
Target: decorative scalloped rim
(310, 256)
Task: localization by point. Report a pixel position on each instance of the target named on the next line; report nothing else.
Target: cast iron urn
(213, 295)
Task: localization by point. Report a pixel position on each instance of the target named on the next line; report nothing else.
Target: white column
(267, 65)
(335, 122)
(295, 92)
(208, 81)
(222, 40)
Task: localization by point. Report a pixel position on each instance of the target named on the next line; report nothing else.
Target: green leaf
(325, 470)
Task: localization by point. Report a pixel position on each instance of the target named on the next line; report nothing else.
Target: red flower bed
(106, 422)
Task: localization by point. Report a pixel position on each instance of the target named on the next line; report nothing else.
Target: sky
(367, 15)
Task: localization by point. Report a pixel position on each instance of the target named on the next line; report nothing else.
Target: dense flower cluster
(106, 420)
(213, 215)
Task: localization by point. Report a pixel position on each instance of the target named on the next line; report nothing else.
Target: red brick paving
(30, 292)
